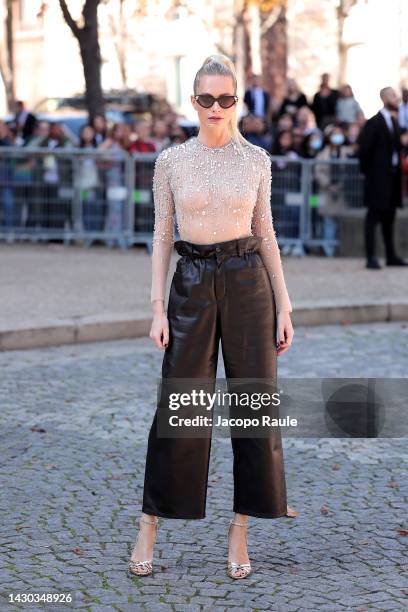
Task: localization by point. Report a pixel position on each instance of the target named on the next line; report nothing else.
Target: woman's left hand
(284, 332)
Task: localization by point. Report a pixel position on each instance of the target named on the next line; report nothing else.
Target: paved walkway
(53, 294)
(74, 422)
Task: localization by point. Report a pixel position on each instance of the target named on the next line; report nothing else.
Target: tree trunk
(6, 55)
(341, 47)
(91, 61)
(274, 51)
(343, 11)
(88, 40)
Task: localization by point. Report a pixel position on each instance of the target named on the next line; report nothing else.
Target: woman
(56, 172)
(284, 145)
(219, 184)
(99, 124)
(160, 134)
(348, 110)
(293, 100)
(88, 184)
(287, 180)
(143, 142)
(313, 143)
(331, 178)
(305, 120)
(116, 145)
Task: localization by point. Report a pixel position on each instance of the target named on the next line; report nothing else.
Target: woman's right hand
(159, 331)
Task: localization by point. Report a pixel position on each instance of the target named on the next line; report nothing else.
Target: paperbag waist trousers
(219, 291)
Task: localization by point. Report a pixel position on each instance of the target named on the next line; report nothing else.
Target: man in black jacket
(379, 153)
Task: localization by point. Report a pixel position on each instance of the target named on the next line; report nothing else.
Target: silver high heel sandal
(238, 570)
(142, 568)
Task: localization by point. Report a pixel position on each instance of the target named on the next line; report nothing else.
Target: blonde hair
(219, 64)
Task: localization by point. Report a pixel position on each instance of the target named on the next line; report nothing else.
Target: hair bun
(219, 58)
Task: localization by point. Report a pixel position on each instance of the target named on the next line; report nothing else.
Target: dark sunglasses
(206, 100)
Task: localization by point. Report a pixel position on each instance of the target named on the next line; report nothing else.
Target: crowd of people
(35, 189)
(328, 124)
(143, 135)
(325, 127)
(295, 128)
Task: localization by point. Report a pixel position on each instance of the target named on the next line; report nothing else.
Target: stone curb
(118, 327)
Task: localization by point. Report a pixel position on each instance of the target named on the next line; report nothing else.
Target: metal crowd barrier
(66, 194)
(90, 195)
(308, 196)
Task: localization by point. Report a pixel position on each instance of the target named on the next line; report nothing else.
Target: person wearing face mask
(312, 144)
(331, 179)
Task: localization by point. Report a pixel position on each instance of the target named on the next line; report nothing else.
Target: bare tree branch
(88, 41)
(68, 18)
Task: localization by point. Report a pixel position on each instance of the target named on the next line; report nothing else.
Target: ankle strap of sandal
(154, 522)
(232, 522)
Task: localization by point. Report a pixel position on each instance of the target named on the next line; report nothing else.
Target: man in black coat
(379, 153)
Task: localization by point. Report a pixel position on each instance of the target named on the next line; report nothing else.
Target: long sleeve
(366, 145)
(163, 231)
(262, 225)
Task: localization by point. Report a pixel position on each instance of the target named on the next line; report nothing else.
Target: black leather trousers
(218, 292)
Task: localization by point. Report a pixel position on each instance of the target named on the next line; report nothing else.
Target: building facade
(158, 45)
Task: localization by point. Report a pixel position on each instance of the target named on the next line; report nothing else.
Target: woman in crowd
(57, 173)
(305, 120)
(284, 145)
(348, 110)
(101, 129)
(115, 144)
(312, 144)
(88, 184)
(293, 100)
(143, 143)
(160, 135)
(286, 180)
(331, 181)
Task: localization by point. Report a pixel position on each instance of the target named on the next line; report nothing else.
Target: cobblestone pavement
(74, 422)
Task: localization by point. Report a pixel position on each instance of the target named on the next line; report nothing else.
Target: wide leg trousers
(218, 292)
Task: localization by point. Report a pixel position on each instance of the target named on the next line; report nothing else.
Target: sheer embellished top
(214, 194)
